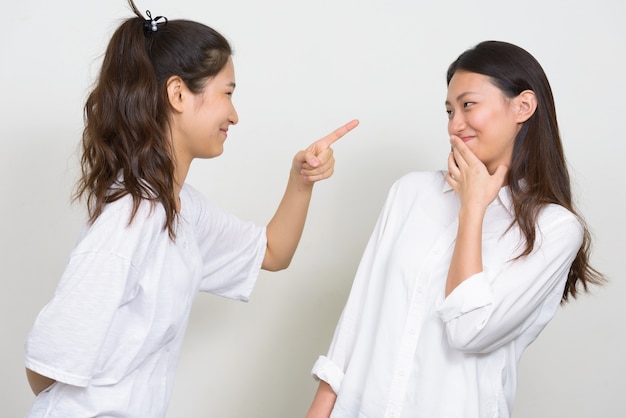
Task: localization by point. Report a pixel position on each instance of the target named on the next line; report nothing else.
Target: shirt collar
(503, 198)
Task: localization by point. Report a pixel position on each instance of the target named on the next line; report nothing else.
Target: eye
(467, 104)
(449, 112)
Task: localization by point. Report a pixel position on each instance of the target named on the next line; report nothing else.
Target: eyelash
(465, 106)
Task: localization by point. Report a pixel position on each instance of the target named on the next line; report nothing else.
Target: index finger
(331, 138)
(461, 151)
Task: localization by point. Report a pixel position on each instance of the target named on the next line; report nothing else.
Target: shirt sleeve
(491, 308)
(232, 251)
(66, 339)
(331, 368)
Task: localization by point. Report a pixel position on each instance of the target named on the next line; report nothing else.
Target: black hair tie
(151, 25)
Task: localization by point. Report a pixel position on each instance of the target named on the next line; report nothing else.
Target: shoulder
(118, 215)
(191, 194)
(196, 207)
(554, 214)
(423, 189)
(557, 224)
(117, 232)
(420, 182)
(429, 178)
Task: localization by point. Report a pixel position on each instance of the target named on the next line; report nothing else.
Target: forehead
(226, 74)
(225, 78)
(465, 82)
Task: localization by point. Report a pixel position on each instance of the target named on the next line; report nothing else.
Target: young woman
(465, 267)
(108, 342)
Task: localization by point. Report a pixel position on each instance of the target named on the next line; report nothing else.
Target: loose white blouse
(402, 349)
(111, 335)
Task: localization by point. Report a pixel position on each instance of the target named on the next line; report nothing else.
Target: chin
(209, 155)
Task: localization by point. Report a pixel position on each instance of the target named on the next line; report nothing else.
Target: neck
(180, 174)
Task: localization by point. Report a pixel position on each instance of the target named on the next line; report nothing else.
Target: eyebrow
(232, 84)
(460, 96)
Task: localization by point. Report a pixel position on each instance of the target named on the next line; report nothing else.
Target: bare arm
(38, 382)
(285, 229)
(323, 402)
(476, 188)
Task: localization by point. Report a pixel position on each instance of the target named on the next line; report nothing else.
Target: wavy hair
(126, 144)
(538, 172)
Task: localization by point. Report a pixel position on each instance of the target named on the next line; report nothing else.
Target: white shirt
(402, 349)
(112, 333)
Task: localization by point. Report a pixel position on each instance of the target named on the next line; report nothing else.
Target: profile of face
(484, 117)
(200, 121)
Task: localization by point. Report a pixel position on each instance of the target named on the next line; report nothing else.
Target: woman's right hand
(469, 177)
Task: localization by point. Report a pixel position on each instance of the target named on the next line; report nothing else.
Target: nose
(234, 117)
(456, 123)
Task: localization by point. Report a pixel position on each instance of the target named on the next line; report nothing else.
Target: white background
(304, 68)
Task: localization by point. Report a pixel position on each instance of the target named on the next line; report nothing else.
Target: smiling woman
(464, 268)
(484, 118)
(108, 341)
(199, 122)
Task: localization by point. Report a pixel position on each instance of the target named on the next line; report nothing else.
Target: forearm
(467, 256)
(285, 228)
(38, 382)
(323, 402)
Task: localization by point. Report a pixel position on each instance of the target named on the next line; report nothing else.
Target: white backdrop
(304, 68)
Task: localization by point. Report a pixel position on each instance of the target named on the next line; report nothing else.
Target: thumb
(501, 173)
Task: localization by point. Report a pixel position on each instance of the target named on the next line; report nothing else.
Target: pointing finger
(331, 138)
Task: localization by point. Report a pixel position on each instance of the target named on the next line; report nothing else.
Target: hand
(317, 162)
(469, 177)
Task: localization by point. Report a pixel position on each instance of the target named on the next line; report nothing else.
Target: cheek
(480, 120)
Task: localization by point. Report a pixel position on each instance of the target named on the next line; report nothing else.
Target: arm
(285, 229)
(487, 308)
(38, 382)
(323, 402)
(476, 189)
(514, 298)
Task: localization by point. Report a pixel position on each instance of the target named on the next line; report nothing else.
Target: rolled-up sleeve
(491, 308)
(356, 322)
(324, 369)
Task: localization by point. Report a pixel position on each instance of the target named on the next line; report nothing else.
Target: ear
(176, 91)
(526, 103)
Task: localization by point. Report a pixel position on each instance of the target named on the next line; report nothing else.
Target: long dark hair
(538, 172)
(126, 148)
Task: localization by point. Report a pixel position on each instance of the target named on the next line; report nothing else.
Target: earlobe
(526, 105)
(175, 92)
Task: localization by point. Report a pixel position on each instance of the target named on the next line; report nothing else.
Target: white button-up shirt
(402, 349)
